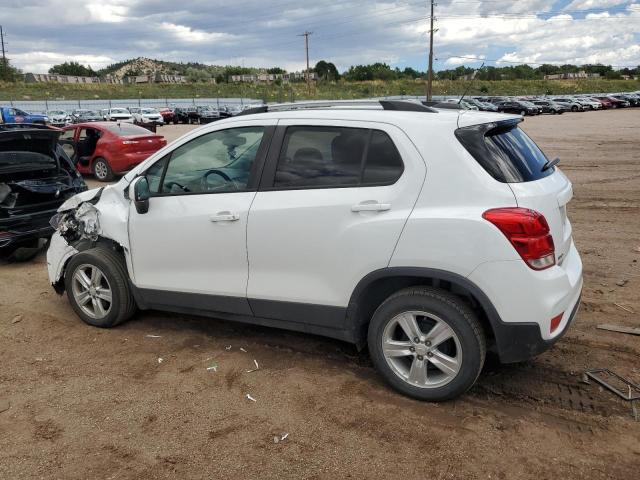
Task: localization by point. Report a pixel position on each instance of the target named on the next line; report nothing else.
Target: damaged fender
(83, 220)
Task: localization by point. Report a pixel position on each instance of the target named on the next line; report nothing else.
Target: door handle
(371, 206)
(224, 217)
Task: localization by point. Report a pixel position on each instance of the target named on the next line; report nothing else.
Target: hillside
(146, 66)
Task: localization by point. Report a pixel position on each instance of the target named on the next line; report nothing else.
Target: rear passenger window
(325, 157)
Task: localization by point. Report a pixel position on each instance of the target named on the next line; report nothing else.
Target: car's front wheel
(97, 285)
(427, 343)
(102, 170)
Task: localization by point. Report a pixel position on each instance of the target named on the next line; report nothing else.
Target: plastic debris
(16, 319)
(214, 366)
(228, 347)
(284, 437)
(251, 398)
(280, 438)
(160, 359)
(254, 369)
(153, 336)
(243, 350)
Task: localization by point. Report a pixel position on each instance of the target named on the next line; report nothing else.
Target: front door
(193, 238)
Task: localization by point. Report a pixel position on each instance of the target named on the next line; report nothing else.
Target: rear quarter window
(505, 151)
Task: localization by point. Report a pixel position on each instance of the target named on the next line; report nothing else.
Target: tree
(276, 70)
(377, 71)
(72, 68)
(326, 70)
(8, 73)
(195, 75)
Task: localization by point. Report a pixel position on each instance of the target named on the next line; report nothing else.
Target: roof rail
(397, 105)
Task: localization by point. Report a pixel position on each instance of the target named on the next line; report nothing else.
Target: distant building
(272, 77)
(571, 76)
(138, 79)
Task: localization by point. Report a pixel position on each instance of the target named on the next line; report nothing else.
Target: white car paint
(309, 246)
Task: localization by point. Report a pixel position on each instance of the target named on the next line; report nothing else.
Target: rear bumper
(525, 301)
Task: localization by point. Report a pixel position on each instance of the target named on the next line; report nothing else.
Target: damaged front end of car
(92, 218)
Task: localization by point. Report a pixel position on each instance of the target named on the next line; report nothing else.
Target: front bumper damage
(83, 222)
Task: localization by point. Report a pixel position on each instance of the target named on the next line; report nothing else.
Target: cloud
(257, 33)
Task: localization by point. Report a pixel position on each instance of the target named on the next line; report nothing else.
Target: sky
(259, 33)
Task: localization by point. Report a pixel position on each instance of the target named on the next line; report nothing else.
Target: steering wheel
(220, 173)
(170, 185)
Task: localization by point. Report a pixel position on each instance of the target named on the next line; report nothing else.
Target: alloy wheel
(91, 291)
(422, 349)
(101, 170)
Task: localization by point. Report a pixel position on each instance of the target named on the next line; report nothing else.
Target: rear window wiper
(550, 163)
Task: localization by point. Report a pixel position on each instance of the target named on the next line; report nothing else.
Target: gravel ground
(82, 403)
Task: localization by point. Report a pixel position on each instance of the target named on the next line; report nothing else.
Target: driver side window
(216, 162)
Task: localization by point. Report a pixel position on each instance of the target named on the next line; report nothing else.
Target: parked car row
(196, 114)
(536, 105)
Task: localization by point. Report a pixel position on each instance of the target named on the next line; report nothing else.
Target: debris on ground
(4, 405)
(154, 336)
(251, 398)
(255, 369)
(616, 384)
(228, 347)
(625, 308)
(214, 366)
(160, 359)
(243, 350)
(619, 329)
(16, 319)
(637, 249)
(622, 283)
(280, 438)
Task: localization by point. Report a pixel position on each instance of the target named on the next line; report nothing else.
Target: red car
(108, 148)
(168, 115)
(606, 102)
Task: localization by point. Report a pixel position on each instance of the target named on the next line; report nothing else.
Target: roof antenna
(473, 78)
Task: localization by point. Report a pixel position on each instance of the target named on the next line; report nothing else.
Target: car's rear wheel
(523, 113)
(98, 289)
(427, 343)
(102, 170)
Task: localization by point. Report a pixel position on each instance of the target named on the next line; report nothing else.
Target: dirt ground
(82, 403)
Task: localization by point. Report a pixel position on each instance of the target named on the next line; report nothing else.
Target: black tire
(456, 314)
(112, 266)
(102, 170)
(523, 113)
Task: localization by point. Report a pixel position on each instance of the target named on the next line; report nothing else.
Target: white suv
(430, 236)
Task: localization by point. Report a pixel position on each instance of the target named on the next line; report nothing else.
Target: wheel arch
(377, 286)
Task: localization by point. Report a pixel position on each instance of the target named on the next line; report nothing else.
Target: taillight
(528, 232)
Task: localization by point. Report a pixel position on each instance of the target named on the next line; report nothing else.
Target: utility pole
(430, 74)
(4, 57)
(306, 46)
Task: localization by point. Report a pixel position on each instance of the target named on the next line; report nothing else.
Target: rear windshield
(505, 152)
(124, 129)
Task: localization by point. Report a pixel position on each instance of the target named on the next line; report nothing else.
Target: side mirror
(141, 194)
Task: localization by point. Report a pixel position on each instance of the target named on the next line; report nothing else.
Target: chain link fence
(41, 106)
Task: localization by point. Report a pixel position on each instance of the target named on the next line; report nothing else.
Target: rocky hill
(147, 66)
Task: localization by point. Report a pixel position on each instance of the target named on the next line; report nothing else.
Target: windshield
(88, 114)
(119, 110)
(149, 111)
(56, 112)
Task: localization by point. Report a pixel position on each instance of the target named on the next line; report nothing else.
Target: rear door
(333, 200)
